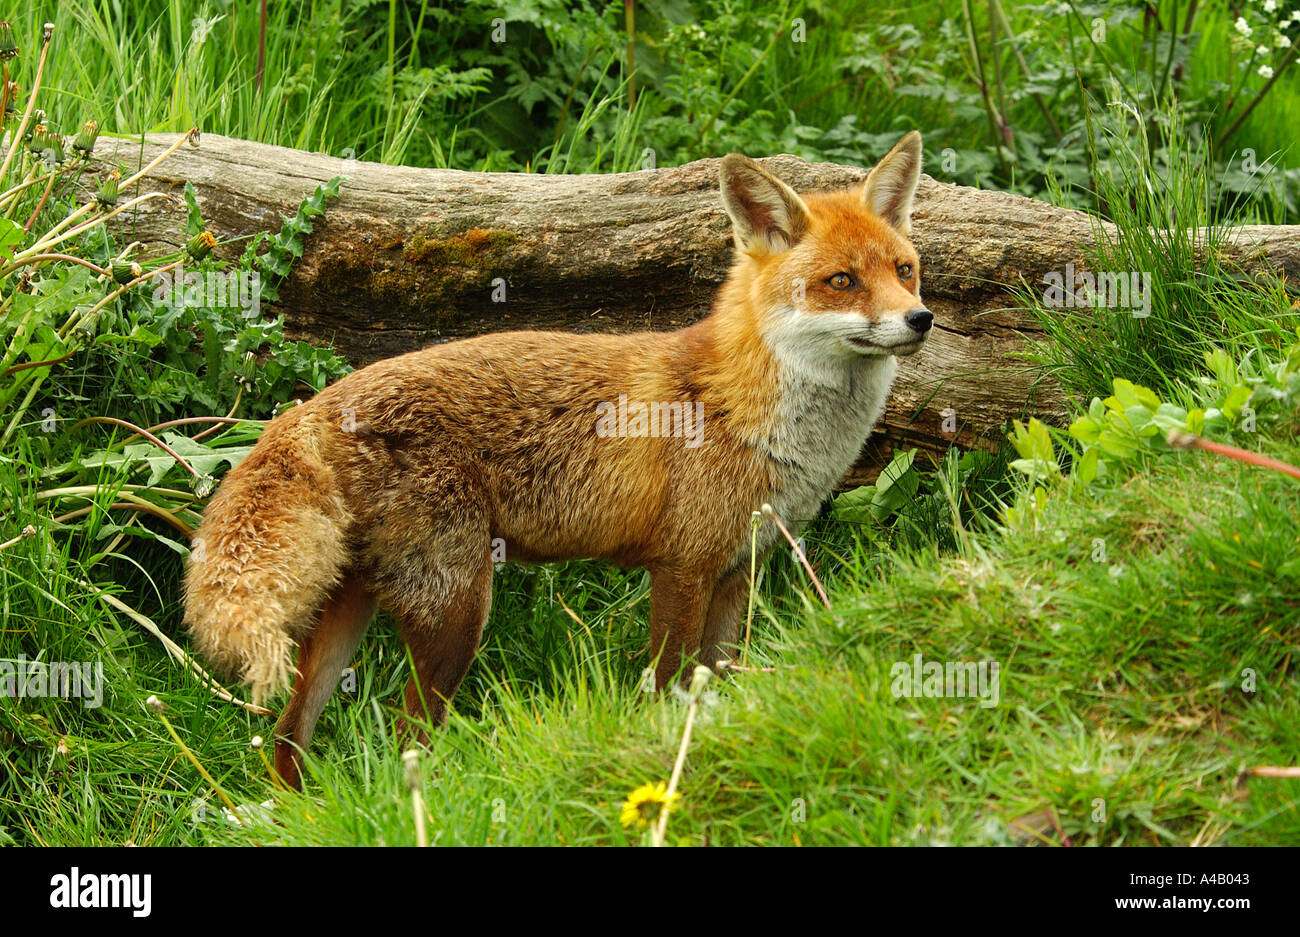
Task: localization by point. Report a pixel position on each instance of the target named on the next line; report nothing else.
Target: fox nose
(919, 319)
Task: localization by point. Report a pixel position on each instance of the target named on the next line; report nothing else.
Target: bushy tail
(271, 547)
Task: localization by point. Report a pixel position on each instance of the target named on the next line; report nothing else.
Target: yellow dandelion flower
(201, 245)
(644, 804)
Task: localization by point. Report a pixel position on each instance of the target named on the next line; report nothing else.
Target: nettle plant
(109, 354)
(1116, 434)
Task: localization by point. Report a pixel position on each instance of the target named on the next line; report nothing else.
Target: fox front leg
(679, 603)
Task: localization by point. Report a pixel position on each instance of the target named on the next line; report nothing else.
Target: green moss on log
(477, 248)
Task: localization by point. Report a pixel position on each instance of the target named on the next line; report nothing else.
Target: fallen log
(406, 257)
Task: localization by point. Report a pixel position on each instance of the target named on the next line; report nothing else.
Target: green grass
(170, 66)
(1166, 232)
(427, 83)
(1124, 618)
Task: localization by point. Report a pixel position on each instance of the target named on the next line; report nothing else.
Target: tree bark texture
(407, 257)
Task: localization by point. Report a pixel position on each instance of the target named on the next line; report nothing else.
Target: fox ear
(766, 214)
(890, 186)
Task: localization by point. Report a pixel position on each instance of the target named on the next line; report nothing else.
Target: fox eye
(840, 281)
(905, 271)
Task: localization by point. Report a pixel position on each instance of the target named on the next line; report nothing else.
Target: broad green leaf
(11, 234)
(1237, 398)
(204, 459)
(1125, 393)
(1146, 397)
(898, 467)
(897, 485)
(1032, 441)
(1040, 441)
(193, 216)
(1119, 445)
(1225, 370)
(1019, 437)
(1168, 416)
(1138, 417)
(1085, 429)
(1087, 469)
(854, 507)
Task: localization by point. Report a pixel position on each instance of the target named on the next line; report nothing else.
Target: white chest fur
(819, 431)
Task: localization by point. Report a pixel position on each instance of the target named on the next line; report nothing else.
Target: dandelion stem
(64, 257)
(27, 531)
(411, 770)
(798, 552)
(276, 781)
(175, 651)
(698, 681)
(1274, 771)
(185, 749)
(180, 460)
(16, 138)
(755, 521)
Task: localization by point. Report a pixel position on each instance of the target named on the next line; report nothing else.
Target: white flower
(1282, 42)
(1270, 6)
(1295, 15)
(1242, 26)
(1262, 49)
(1265, 71)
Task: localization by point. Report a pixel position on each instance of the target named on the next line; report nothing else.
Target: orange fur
(390, 487)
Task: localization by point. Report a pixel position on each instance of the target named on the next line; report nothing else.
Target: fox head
(831, 276)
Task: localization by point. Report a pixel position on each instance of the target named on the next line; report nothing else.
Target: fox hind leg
(442, 631)
(321, 658)
(435, 578)
(722, 625)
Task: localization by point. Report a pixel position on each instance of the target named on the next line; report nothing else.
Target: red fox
(390, 487)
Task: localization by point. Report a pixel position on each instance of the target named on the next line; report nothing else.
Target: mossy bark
(406, 257)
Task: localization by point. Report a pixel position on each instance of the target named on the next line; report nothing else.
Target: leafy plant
(286, 246)
(1133, 423)
(108, 357)
(896, 487)
(909, 505)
